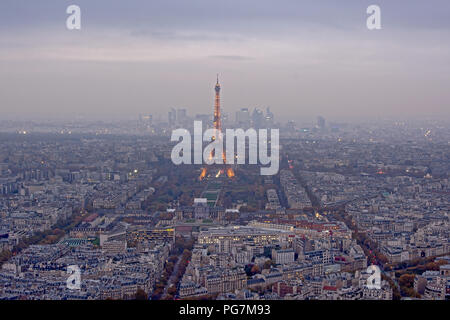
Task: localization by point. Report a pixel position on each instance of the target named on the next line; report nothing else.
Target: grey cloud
(232, 57)
(130, 55)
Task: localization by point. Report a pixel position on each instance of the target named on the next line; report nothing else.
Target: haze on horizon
(300, 58)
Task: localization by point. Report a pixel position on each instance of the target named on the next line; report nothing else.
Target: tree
(141, 294)
(406, 280)
(255, 270)
(172, 290)
(267, 264)
(5, 255)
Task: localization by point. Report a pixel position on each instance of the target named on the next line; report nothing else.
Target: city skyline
(261, 154)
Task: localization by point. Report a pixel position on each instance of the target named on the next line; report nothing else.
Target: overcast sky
(301, 58)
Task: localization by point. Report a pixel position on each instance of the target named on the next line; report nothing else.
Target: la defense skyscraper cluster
(217, 170)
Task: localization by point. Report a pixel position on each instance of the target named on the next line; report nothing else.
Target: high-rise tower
(217, 124)
(217, 121)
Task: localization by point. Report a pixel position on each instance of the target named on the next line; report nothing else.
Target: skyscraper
(181, 116)
(269, 117)
(172, 117)
(321, 122)
(257, 118)
(243, 117)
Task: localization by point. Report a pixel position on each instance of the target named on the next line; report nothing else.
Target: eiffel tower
(217, 170)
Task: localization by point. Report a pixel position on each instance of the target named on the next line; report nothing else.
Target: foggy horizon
(300, 59)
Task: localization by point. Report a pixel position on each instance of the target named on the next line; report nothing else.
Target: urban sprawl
(105, 197)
